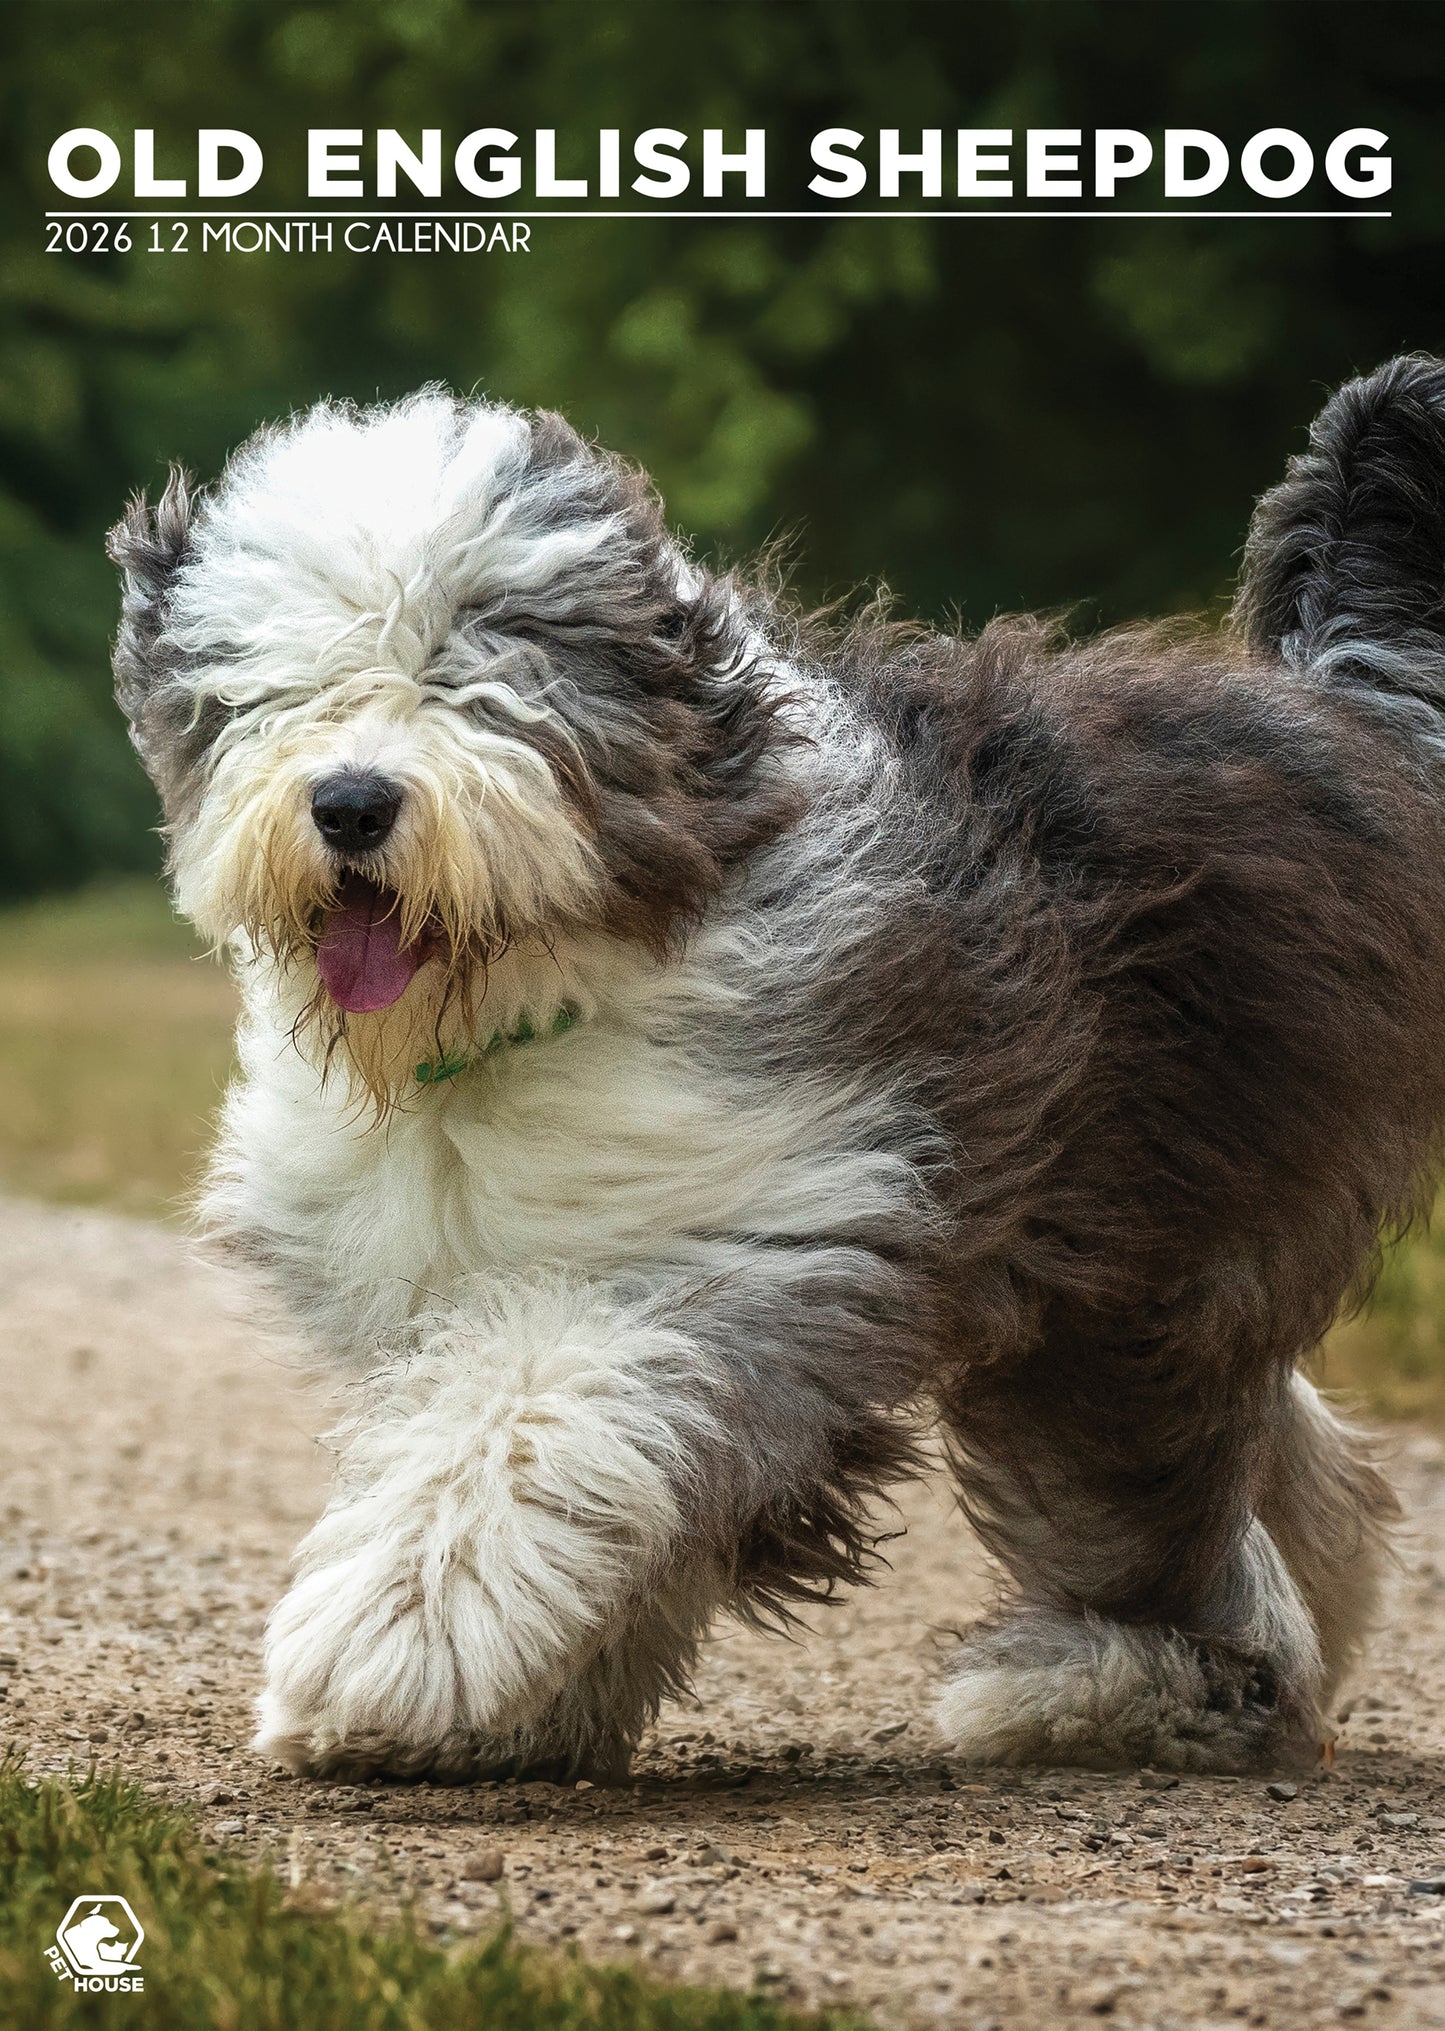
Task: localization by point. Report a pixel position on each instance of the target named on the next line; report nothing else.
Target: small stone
(1399, 1820)
(1428, 1886)
(228, 1827)
(1157, 1780)
(658, 1854)
(1255, 1865)
(484, 1867)
(710, 1853)
(584, 1784)
(217, 1794)
(721, 1931)
(887, 1734)
(627, 1934)
(769, 1971)
(657, 1902)
(1283, 1792)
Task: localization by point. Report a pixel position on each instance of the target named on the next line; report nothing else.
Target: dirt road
(797, 1827)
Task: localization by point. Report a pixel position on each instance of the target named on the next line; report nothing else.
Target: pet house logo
(96, 1944)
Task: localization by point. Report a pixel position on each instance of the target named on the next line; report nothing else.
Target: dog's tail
(1344, 570)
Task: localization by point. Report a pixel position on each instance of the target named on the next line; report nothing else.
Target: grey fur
(1124, 963)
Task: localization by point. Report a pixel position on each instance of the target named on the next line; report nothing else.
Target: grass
(1392, 1357)
(115, 1048)
(115, 1045)
(228, 1948)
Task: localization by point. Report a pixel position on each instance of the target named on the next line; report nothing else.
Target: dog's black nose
(355, 811)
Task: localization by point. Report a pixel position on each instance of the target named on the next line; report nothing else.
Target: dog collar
(433, 1071)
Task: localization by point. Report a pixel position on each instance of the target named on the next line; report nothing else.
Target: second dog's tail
(1344, 570)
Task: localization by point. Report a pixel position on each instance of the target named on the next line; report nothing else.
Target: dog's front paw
(309, 1746)
(363, 1678)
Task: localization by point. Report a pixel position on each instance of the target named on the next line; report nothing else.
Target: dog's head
(425, 684)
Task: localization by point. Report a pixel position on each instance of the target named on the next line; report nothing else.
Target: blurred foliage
(988, 413)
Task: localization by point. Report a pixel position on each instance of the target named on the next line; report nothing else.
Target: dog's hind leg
(1329, 1510)
(1171, 1538)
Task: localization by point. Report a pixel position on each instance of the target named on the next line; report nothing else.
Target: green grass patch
(228, 1948)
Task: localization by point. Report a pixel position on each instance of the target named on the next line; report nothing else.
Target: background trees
(988, 413)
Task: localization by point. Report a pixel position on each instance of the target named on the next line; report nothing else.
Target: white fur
(1097, 1693)
(555, 1160)
(255, 823)
(1330, 1511)
(503, 1492)
(349, 544)
(498, 1267)
(1043, 1686)
(320, 606)
(508, 1272)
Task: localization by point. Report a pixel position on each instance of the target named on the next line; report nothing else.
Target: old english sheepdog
(690, 1051)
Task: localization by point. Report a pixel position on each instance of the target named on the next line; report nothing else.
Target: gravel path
(797, 1827)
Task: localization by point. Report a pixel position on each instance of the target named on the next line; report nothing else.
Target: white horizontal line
(843, 212)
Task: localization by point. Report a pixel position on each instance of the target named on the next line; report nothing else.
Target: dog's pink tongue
(361, 958)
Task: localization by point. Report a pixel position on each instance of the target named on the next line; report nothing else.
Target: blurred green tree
(987, 413)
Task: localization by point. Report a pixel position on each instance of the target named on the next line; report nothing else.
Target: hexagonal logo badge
(97, 1946)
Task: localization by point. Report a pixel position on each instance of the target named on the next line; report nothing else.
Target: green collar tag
(433, 1071)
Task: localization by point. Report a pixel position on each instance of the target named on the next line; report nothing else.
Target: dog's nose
(355, 811)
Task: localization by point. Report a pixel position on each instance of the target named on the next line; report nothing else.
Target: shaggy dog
(686, 1049)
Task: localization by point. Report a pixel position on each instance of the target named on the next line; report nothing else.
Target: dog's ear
(148, 546)
(1345, 562)
(674, 715)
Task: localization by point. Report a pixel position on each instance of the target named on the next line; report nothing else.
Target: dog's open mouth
(363, 964)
